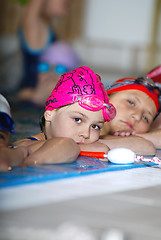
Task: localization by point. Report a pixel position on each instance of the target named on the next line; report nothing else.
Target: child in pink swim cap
(76, 110)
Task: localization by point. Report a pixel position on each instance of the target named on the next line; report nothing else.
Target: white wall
(117, 33)
(119, 21)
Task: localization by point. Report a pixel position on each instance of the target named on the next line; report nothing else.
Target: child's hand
(95, 147)
(12, 157)
(124, 134)
(24, 151)
(4, 164)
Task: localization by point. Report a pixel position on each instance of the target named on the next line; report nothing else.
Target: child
(8, 156)
(36, 34)
(75, 111)
(138, 103)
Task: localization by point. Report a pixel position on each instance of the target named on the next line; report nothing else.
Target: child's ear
(48, 115)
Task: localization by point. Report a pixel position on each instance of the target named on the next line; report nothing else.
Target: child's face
(75, 122)
(135, 111)
(4, 138)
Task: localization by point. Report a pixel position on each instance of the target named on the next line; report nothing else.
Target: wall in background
(67, 28)
(116, 38)
(121, 35)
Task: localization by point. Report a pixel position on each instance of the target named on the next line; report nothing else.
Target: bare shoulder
(23, 142)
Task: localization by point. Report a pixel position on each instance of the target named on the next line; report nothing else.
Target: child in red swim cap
(137, 102)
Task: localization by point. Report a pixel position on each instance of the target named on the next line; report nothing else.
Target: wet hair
(42, 121)
(42, 125)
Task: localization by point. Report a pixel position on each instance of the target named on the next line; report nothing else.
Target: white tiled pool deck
(128, 201)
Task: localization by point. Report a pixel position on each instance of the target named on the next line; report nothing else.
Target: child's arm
(34, 26)
(12, 157)
(153, 136)
(33, 145)
(137, 144)
(55, 150)
(95, 147)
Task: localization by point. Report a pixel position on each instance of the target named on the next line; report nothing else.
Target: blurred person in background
(36, 35)
(58, 58)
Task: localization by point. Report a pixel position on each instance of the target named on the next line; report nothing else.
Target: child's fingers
(30, 161)
(133, 133)
(116, 133)
(4, 166)
(124, 134)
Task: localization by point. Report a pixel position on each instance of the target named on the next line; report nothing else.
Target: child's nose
(137, 115)
(85, 132)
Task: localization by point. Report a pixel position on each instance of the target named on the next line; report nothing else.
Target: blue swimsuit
(31, 59)
(32, 138)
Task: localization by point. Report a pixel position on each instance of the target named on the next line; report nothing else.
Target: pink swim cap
(81, 85)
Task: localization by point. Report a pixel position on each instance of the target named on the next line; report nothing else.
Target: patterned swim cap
(81, 85)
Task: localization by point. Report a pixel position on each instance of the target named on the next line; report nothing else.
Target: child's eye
(78, 120)
(145, 119)
(131, 102)
(96, 127)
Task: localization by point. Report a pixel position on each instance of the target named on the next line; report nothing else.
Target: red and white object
(121, 156)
